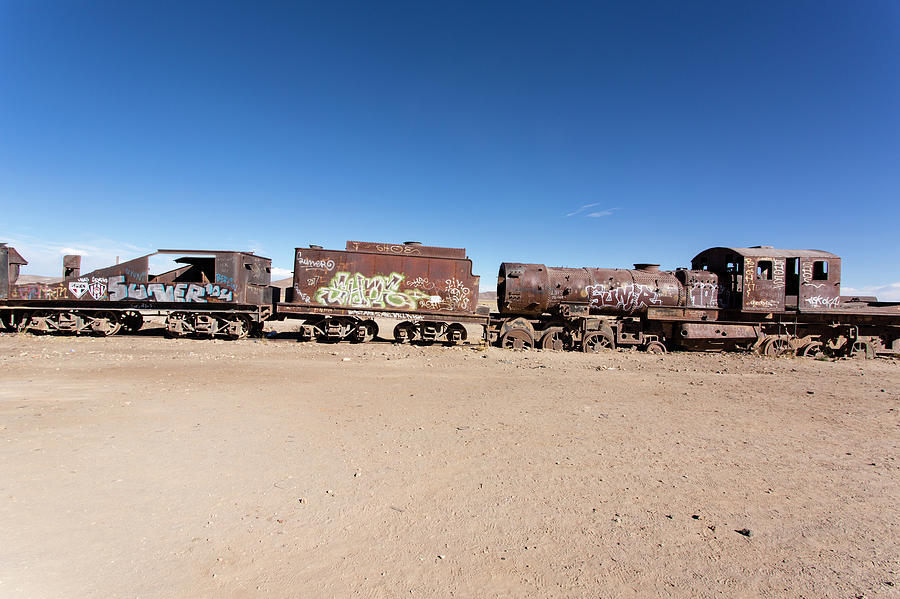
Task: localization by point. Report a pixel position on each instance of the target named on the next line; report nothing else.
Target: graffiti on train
(379, 291)
(627, 297)
(167, 292)
(95, 287)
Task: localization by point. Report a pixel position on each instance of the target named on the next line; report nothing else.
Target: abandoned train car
(211, 293)
(429, 292)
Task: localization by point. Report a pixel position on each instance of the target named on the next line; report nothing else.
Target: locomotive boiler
(533, 289)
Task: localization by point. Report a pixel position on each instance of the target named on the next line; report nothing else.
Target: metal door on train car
(763, 284)
(820, 286)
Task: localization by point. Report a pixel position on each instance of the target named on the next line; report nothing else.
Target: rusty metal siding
(4, 272)
(763, 284)
(383, 281)
(701, 288)
(406, 249)
(818, 295)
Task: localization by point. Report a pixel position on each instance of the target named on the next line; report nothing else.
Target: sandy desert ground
(149, 467)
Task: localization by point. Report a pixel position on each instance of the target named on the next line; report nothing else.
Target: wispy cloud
(885, 293)
(280, 273)
(583, 208)
(601, 213)
(588, 213)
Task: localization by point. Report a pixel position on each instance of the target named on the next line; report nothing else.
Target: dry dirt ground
(149, 467)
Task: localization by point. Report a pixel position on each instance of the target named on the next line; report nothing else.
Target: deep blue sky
(133, 125)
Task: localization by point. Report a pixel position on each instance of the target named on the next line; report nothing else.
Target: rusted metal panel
(718, 331)
(820, 284)
(681, 314)
(763, 284)
(384, 281)
(408, 248)
(701, 288)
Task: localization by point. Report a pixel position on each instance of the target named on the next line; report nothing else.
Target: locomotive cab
(768, 280)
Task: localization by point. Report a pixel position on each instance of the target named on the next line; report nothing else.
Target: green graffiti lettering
(379, 291)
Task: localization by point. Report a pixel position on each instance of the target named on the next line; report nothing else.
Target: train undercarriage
(766, 337)
(103, 321)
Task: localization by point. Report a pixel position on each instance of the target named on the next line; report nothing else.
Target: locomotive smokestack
(412, 243)
(647, 267)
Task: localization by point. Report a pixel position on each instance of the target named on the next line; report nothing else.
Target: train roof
(767, 251)
(15, 257)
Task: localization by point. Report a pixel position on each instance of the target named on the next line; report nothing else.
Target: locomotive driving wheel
(862, 349)
(554, 338)
(813, 349)
(775, 346)
(655, 347)
(597, 341)
(516, 339)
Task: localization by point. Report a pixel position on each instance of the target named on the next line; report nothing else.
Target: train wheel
(237, 327)
(597, 341)
(178, 324)
(516, 339)
(39, 322)
(863, 350)
(365, 331)
(20, 321)
(105, 324)
(554, 338)
(813, 349)
(655, 347)
(775, 346)
(405, 332)
(456, 333)
(132, 321)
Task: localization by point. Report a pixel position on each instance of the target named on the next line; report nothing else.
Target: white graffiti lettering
(703, 294)
(821, 301)
(627, 298)
(778, 273)
(396, 315)
(307, 264)
(162, 292)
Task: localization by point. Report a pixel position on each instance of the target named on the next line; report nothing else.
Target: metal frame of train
(773, 301)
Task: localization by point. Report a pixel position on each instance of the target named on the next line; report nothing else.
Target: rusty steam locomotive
(771, 300)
